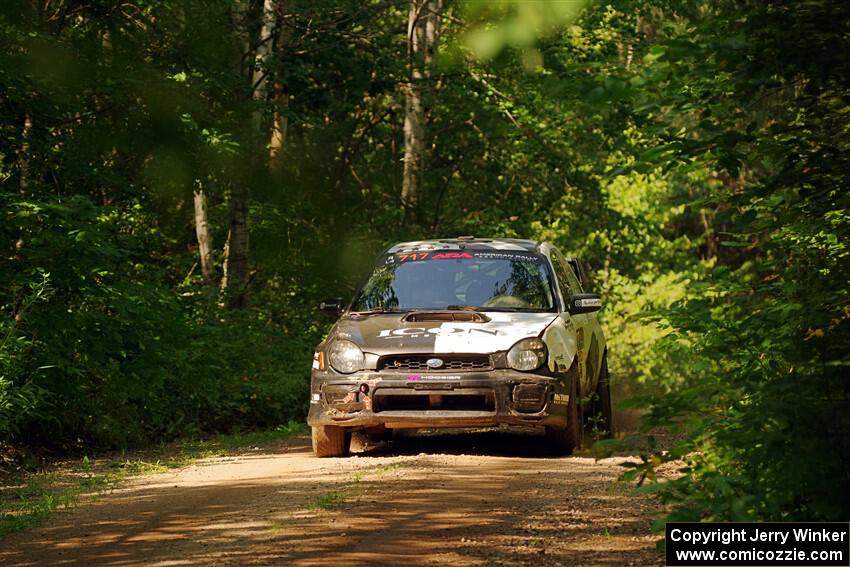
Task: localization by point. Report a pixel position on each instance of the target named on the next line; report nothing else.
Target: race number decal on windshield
(419, 256)
(413, 256)
(402, 257)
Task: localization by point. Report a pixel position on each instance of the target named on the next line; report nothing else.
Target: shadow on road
(529, 443)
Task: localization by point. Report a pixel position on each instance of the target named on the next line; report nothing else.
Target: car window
(580, 273)
(573, 278)
(457, 279)
(563, 281)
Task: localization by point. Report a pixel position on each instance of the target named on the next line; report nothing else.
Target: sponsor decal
(560, 363)
(431, 377)
(414, 332)
(562, 399)
(515, 257)
(403, 257)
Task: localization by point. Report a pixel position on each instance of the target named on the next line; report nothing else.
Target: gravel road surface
(489, 498)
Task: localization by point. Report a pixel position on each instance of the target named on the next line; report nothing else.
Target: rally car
(463, 333)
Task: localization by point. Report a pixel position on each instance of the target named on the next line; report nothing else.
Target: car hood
(389, 333)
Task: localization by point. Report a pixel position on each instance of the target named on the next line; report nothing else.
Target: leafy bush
(764, 405)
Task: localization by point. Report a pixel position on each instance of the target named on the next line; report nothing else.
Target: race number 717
(412, 256)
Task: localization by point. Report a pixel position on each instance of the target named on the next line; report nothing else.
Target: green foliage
(514, 23)
(351, 488)
(327, 501)
(20, 399)
(763, 406)
(110, 120)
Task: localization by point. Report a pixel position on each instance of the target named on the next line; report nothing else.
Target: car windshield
(489, 280)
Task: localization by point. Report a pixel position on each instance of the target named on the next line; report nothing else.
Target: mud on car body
(458, 333)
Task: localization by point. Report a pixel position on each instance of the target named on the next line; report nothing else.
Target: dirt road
(489, 498)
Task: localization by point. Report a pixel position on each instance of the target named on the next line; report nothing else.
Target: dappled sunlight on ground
(483, 498)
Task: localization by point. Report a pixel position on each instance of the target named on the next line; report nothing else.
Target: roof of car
(471, 242)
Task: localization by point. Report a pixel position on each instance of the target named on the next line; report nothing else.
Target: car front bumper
(435, 400)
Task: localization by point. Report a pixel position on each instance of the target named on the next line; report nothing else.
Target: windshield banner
(403, 257)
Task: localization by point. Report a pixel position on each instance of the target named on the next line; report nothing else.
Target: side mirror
(584, 303)
(332, 307)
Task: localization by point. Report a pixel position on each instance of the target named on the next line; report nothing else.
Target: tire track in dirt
(476, 499)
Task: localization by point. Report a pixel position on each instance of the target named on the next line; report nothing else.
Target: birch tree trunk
(203, 234)
(423, 35)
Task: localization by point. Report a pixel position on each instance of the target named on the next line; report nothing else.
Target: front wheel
(562, 441)
(603, 392)
(600, 415)
(330, 441)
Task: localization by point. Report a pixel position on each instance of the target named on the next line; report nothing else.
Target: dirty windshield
(458, 279)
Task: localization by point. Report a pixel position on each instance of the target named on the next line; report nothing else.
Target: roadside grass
(350, 489)
(28, 498)
(327, 501)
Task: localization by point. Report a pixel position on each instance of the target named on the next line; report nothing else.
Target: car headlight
(527, 354)
(345, 357)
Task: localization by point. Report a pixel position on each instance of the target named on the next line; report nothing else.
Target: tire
(563, 441)
(330, 441)
(603, 394)
(599, 417)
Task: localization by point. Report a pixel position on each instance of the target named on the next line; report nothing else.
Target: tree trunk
(279, 124)
(423, 34)
(24, 168)
(239, 22)
(280, 91)
(710, 238)
(261, 59)
(231, 288)
(203, 234)
(234, 281)
(24, 156)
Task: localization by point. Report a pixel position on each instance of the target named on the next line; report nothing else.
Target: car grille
(433, 402)
(418, 362)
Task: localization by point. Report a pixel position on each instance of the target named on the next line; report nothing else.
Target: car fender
(560, 338)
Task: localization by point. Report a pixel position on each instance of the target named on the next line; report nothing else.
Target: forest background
(181, 181)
